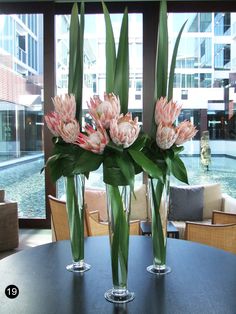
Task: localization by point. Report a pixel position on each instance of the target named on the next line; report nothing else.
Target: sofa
(9, 228)
(196, 203)
(96, 200)
(187, 203)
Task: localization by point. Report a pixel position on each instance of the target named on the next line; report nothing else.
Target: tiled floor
(30, 238)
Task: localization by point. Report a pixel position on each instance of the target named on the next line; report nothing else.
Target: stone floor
(29, 238)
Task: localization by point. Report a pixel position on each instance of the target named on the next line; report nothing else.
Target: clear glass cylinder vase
(159, 204)
(75, 210)
(118, 207)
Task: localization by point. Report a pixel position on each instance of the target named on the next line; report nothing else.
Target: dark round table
(203, 280)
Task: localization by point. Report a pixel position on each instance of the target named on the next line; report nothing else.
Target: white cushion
(229, 204)
(212, 199)
(139, 204)
(96, 200)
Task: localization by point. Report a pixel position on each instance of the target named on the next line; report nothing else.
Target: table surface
(203, 280)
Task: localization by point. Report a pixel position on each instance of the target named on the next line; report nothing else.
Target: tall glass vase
(75, 211)
(159, 205)
(118, 205)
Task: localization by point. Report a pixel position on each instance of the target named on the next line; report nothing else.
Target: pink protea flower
(65, 106)
(67, 131)
(53, 122)
(105, 110)
(165, 136)
(124, 131)
(95, 141)
(166, 112)
(185, 130)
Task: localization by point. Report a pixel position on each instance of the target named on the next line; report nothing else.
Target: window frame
(149, 10)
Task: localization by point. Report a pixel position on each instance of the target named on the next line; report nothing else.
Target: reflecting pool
(24, 183)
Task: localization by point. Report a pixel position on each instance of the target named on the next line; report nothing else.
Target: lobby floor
(29, 238)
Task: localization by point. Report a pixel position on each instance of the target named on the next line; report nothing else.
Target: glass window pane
(21, 112)
(205, 84)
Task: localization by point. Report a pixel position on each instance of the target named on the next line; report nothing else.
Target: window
(222, 56)
(21, 115)
(200, 73)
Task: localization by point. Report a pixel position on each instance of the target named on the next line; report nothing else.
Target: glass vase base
(159, 270)
(78, 267)
(116, 296)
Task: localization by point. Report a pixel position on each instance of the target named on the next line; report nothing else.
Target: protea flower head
(65, 106)
(95, 140)
(186, 131)
(105, 110)
(165, 136)
(166, 112)
(124, 131)
(53, 122)
(67, 131)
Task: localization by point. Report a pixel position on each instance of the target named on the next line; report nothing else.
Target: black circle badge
(11, 291)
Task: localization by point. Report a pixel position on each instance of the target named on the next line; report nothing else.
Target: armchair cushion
(139, 205)
(186, 203)
(212, 199)
(229, 204)
(96, 200)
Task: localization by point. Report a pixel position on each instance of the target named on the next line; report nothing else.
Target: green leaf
(140, 142)
(173, 61)
(159, 245)
(121, 80)
(75, 219)
(75, 78)
(177, 149)
(86, 162)
(112, 147)
(147, 165)
(177, 168)
(161, 53)
(110, 52)
(54, 165)
(120, 238)
(127, 168)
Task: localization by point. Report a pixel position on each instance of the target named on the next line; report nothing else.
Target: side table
(172, 231)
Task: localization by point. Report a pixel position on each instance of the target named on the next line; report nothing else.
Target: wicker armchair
(59, 220)
(219, 217)
(221, 236)
(96, 227)
(9, 226)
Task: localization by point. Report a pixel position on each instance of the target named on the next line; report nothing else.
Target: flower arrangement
(165, 142)
(114, 139)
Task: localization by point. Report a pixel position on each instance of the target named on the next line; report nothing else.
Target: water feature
(24, 183)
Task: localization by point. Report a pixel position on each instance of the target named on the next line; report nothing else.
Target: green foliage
(68, 160)
(120, 239)
(159, 244)
(75, 219)
(110, 52)
(75, 78)
(177, 168)
(146, 164)
(163, 81)
(117, 67)
(173, 62)
(161, 53)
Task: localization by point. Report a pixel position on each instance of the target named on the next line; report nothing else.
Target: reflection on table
(203, 280)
